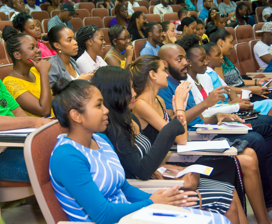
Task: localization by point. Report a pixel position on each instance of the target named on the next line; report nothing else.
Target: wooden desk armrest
(154, 183)
(252, 74)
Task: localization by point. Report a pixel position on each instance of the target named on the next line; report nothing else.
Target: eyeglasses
(126, 38)
(3, 103)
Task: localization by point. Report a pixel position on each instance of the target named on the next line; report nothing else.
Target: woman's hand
(173, 196)
(178, 113)
(86, 76)
(172, 39)
(262, 81)
(129, 50)
(260, 91)
(246, 105)
(43, 66)
(227, 117)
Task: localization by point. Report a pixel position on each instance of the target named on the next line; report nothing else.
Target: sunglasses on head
(222, 15)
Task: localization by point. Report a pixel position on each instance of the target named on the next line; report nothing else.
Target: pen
(169, 215)
(122, 52)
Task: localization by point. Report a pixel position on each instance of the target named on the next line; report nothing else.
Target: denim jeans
(260, 139)
(12, 165)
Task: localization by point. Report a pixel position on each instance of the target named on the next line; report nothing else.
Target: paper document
(174, 173)
(225, 125)
(19, 131)
(146, 214)
(203, 145)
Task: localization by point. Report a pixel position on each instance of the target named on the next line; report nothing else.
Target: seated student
(150, 110)
(25, 23)
(200, 32)
(153, 33)
(136, 154)
(195, 71)
(227, 7)
(261, 48)
(242, 16)
(169, 32)
(231, 74)
(7, 7)
(62, 39)
(163, 8)
(188, 26)
(258, 3)
(204, 13)
(200, 5)
(107, 5)
(174, 55)
(220, 22)
(137, 24)
(266, 13)
(121, 16)
(19, 6)
(129, 5)
(182, 13)
(32, 7)
(211, 17)
(27, 84)
(121, 52)
(90, 40)
(66, 13)
(76, 104)
(54, 5)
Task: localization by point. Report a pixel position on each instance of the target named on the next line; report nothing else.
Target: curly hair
(20, 20)
(189, 42)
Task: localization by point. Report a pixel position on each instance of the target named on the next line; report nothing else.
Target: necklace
(22, 75)
(197, 83)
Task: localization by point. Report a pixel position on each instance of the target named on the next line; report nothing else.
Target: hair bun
(59, 86)
(8, 32)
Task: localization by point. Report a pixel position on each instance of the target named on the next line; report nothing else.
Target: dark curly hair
(189, 42)
(20, 20)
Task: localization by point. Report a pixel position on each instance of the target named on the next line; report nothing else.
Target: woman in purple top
(121, 16)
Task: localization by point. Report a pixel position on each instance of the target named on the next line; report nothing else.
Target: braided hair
(13, 41)
(84, 34)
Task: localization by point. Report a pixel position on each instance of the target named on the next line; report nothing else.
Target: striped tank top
(105, 169)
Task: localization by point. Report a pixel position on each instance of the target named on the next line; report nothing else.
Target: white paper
(203, 145)
(224, 125)
(146, 215)
(201, 169)
(19, 131)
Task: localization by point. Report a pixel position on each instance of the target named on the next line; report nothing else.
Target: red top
(203, 93)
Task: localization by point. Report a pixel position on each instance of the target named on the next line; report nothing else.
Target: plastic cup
(245, 94)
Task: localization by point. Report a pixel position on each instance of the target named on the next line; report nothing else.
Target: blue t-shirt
(167, 94)
(217, 83)
(204, 14)
(200, 5)
(149, 49)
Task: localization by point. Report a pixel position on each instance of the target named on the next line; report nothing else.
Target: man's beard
(175, 73)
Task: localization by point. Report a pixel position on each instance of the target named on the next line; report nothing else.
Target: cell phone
(90, 72)
(45, 38)
(266, 83)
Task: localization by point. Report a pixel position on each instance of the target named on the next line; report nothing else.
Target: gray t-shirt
(228, 9)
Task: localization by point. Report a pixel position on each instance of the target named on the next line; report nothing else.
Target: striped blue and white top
(106, 171)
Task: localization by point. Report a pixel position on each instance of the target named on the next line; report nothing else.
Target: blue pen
(122, 52)
(169, 215)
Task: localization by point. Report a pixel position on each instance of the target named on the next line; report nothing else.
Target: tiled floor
(29, 213)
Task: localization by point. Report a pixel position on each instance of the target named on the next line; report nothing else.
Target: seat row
(245, 33)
